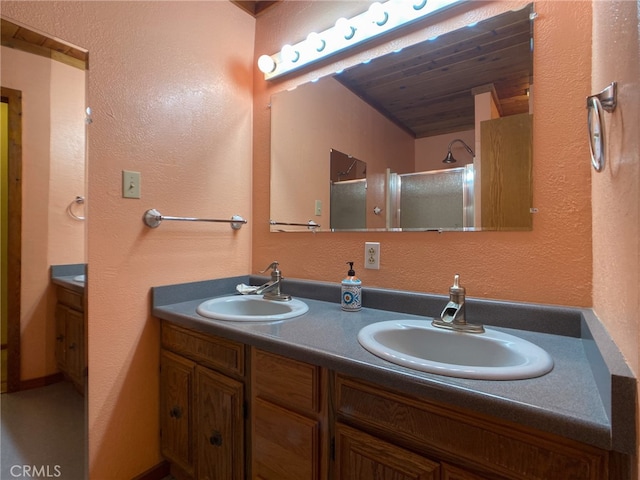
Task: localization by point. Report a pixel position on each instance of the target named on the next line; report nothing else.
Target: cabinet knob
(175, 412)
(216, 439)
(72, 346)
(60, 338)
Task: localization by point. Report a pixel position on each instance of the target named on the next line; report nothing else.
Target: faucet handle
(273, 265)
(456, 289)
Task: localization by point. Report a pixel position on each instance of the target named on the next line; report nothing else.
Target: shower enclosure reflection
(348, 196)
(435, 200)
(438, 199)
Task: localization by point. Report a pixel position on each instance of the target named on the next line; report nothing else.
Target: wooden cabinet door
(220, 428)
(286, 445)
(506, 153)
(69, 348)
(360, 456)
(176, 412)
(75, 345)
(61, 337)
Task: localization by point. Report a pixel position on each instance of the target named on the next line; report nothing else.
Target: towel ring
(76, 201)
(605, 100)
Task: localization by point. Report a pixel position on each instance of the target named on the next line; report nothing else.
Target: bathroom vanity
(300, 398)
(70, 348)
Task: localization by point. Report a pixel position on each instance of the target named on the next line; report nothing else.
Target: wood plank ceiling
(428, 88)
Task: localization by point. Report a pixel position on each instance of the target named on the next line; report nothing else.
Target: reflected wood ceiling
(428, 88)
(255, 8)
(23, 38)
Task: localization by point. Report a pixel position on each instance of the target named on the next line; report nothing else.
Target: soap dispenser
(351, 291)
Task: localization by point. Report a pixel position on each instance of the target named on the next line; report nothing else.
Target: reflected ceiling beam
(26, 39)
(255, 8)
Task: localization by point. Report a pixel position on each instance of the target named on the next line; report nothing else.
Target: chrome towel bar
(153, 218)
(310, 224)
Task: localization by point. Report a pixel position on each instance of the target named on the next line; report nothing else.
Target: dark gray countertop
(588, 396)
(64, 275)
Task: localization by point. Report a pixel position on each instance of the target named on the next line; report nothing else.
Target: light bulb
(316, 42)
(266, 64)
(419, 5)
(289, 54)
(377, 14)
(345, 28)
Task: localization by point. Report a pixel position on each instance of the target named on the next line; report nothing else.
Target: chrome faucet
(271, 289)
(453, 314)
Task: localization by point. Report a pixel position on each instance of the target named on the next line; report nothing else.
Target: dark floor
(43, 433)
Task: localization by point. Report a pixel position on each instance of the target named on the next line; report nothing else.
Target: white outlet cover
(372, 255)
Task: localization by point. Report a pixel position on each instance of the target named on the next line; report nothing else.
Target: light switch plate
(130, 184)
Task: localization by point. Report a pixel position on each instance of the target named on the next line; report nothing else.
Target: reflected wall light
(449, 158)
(378, 19)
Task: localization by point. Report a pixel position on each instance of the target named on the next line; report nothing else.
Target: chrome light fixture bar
(380, 18)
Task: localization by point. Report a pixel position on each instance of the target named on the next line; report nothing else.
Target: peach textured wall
(616, 190)
(551, 264)
(430, 151)
(53, 174)
(311, 120)
(170, 85)
(67, 175)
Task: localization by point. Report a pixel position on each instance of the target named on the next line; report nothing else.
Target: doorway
(11, 233)
(47, 100)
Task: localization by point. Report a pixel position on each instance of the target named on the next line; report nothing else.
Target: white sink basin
(491, 355)
(79, 278)
(250, 308)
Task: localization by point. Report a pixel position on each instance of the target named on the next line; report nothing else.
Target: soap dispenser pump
(351, 291)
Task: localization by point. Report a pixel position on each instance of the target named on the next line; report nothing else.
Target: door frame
(14, 265)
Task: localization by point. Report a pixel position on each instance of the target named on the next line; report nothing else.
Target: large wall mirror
(441, 130)
(43, 225)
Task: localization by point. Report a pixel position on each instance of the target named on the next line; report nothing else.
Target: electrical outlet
(318, 208)
(372, 255)
(130, 184)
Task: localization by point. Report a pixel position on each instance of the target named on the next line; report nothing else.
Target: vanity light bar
(378, 19)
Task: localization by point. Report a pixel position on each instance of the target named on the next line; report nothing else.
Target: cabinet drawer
(286, 445)
(450, 472)
(220, 354)
(71, 299)
(287, 382)
(464, 438)
(361, 456)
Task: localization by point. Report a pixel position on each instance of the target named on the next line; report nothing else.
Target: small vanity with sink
(332, 394)
(71, 355)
